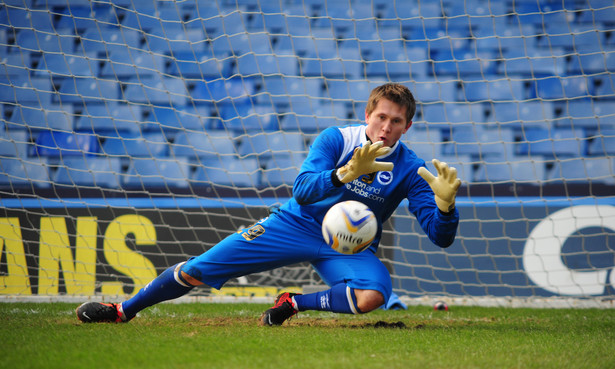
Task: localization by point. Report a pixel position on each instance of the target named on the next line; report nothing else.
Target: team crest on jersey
(385, 178)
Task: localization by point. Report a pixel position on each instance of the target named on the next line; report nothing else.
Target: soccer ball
(349, 227)
(440, 305)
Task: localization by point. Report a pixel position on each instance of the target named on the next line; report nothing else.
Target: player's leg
(359, 283)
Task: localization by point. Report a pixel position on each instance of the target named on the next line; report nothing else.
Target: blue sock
(338, 299)
(162, 288)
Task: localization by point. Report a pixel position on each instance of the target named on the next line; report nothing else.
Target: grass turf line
(48, 335)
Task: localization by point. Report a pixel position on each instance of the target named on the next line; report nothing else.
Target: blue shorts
(279, 241)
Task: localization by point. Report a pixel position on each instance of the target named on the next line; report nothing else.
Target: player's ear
(408, 126)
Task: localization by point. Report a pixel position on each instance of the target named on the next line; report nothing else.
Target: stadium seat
(270, 19)
(434, 90)
(464, 62)
(228, 172)
(556, 143)
(480, 142)
(552, 88)
(60, 65)
(161, 172)
(229, 91)
(585, 170)
(19, 172)
(275, 144)
(132, 64)
(268, 64)
(437, 39)
(22, 90)
(201, 64)
(15, 65)
(248, 118)
(345, 63)
(347, 91)
(156, 90)
(603, 144)
(282, 170)
(396, 61)
(493, 88)
(89, 171)
(80, 90)
(426, 144)
(532, 61)
(570, 36)
(586, 114)
(110, 40)
(109, 118)
(174, 39)
(317, 42)
(242, 43)
(293, 91)
(62, 144)
(591, 63)
(154, 145)
(497, 168)
(31, 40)
(521, 115)
(453, 115)
(76, 16)
(33, 117)
(14, 143)
(212, 144)
(20, 18)
(177, 119)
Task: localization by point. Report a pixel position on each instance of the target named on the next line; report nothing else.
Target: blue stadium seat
(464, 62)
(480, 142)
(154, 145)
(585, 170)
(156, 90)
(228, 172)
(396, 61)
(31, 40)
(533, 61)
(60, 65)
(506, 169)
(559, 142)
(247, 117)
(588, 63)
(174, 119)
(499, 35)
(14, 143)
(175, 39)
(80, 90)
(270, 19)
(453, 115)
(109, 118)
(432, 90)
(306, 122)
(16, 65)
(27, 90)
(62, 144)
(161, 172)
(347, 91)
(603, 144)
(268, 64)
(212, 144)
(290, 90)
(242, 43)
(89, 171)
(437, 39)
(587, 114)
(20, 17)
(426, 144)
(131, 64)
(85, 16)
(282, 170)
(229, 91)
(493, 88)
(18, 172)
(552, 88)
(109, 40)
(201, 64)
(275, 144)
(345, 63)
(521, 114)
(317, 42)
(570, 36)
(54, 117)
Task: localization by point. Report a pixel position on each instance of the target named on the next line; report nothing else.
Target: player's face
(387, 122)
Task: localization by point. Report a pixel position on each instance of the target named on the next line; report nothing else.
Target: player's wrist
(335, 178)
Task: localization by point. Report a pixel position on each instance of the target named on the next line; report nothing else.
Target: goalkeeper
(366, 163)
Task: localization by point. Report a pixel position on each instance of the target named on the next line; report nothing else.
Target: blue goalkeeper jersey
(314, 191)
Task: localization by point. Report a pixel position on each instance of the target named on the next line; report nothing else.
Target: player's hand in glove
(363, 161)
(444, 186)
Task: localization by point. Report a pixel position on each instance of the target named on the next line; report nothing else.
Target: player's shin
(167, 286)
(338, 299)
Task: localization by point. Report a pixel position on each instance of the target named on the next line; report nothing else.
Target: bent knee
(190, 279)
(368, 300)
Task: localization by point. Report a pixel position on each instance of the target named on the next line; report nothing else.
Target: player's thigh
(360, 271)
(266, 245)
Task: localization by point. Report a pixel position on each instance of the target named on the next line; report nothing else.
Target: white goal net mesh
(135, 134)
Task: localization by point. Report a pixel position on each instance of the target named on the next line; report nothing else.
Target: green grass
(227, 336)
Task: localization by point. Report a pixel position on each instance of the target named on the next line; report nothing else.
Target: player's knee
(190, 279)
(368, 300)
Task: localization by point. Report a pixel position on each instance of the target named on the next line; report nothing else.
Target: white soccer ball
(349, 227)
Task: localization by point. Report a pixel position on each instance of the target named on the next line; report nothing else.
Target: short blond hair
(395, 92)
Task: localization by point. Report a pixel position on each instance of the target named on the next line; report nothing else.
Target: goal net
(135, 134)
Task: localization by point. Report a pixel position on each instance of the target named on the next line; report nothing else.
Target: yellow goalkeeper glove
(363, 161)
(444, 186)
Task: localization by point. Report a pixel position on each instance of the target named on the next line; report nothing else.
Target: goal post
(137, 134)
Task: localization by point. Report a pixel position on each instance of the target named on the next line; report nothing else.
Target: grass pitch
(187, 336)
